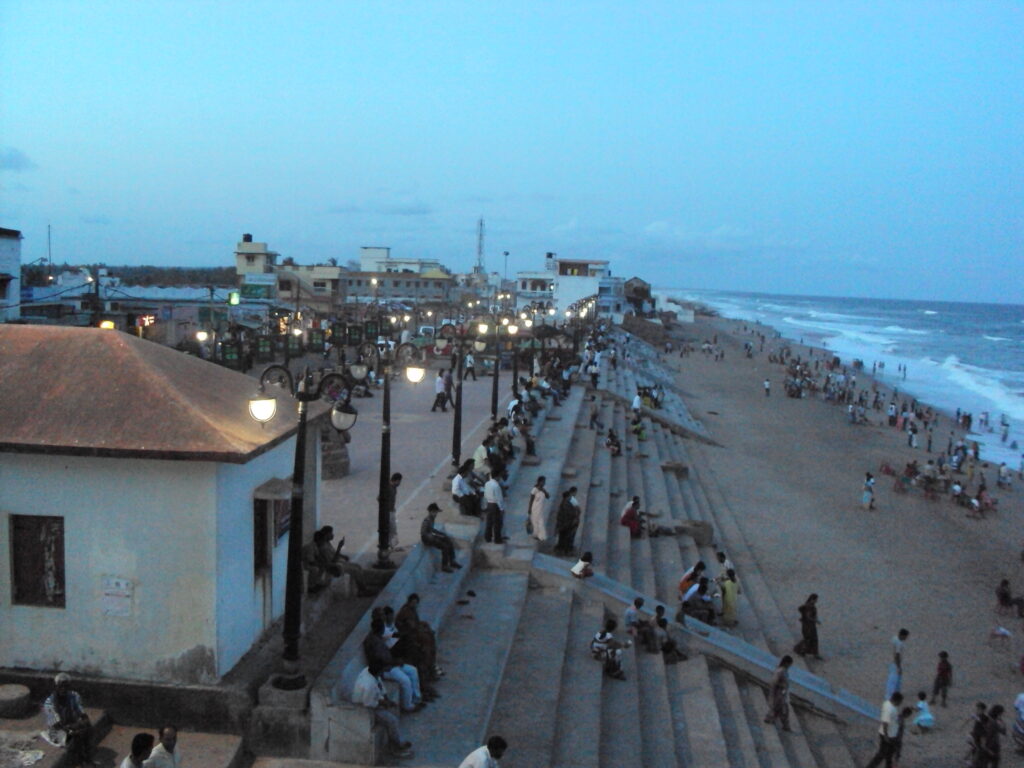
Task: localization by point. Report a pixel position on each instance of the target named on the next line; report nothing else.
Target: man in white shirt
(486, 756)
(494, 504)
(637, 402)
(165, 754)
(888, 731)
(440, 396)
(369, 692)
(463, 493)
(142, 747)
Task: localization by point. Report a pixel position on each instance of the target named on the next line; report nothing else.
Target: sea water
(957, 355)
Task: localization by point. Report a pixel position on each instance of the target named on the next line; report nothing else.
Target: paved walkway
(420, 449)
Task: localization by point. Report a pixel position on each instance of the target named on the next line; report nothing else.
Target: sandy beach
(792, 470)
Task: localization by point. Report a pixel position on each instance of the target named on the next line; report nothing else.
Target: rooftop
(92, 392)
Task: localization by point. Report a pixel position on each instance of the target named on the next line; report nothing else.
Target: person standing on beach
(867, 498)
(537, 509)
(895, 679)
(767, 388)
(888, 731)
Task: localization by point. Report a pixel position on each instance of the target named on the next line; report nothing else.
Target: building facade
(10, 274)
(144, 513)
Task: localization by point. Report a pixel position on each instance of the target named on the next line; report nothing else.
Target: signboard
(260, 278)
(257, 291)
(315, 342)
(264, 349)
(354, 335)
(371, 329)
(116, 598)
(231, 354)
(294, 345)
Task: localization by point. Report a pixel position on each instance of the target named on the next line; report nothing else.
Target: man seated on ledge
(324, 562)
(432, 537)
(67, 723)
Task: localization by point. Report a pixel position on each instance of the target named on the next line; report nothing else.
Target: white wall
(10, 263)
(572, 288)
(145, 521)
(239, 601)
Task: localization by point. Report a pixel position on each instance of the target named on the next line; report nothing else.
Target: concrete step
(659, 742)
(580, 703)
(694, 716)
(198, 750)
(529, 693)
(766, 736)
(473, 648)
(594, 534)
(618, 565)
(738, 739)
(562, 443)
(622, 732)
(826, 742)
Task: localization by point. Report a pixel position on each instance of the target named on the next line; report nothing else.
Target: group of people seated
(68, 726)
(400, 648)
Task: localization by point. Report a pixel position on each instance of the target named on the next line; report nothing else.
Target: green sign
(256, 291)
(354, 335)
(316, 341)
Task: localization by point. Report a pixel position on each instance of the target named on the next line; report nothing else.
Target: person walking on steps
(778, 694)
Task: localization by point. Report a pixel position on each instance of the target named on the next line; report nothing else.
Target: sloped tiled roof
(95, 392)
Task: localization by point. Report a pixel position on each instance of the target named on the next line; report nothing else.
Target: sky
(827, 148)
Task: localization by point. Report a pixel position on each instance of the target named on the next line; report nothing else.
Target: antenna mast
(479, 268)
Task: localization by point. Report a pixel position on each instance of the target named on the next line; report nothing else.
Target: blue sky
(849, 148)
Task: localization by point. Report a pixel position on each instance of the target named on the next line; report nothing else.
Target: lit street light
(262, 408)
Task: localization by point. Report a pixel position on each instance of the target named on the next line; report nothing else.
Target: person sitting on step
(584, 568)
(417, 640)
(432, 537)
(638, 627)
(605, 648)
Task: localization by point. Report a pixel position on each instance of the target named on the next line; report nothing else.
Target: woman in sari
(730, 591)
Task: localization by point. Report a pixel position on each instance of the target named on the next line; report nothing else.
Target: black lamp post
(262, 408)
(460, 346)
(414, 374)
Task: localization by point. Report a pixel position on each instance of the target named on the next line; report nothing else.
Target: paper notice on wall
(117, 596)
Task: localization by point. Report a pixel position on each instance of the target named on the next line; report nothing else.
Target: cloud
(98, 220)
(12, 159)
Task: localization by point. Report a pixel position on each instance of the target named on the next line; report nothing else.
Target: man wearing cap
(432, 537)
(67, 722)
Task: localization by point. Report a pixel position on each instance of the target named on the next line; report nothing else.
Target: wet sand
(792, 470)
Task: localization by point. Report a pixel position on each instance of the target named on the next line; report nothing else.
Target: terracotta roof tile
(97, 392)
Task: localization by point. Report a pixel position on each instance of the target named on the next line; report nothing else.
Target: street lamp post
(414, 374)
(262, 408)
(460, 346)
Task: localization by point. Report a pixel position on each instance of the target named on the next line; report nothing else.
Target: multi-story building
(325, 288)
(10, 274)
(563, 282)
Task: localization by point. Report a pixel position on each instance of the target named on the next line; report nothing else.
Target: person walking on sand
(888, 731)
(778, 694)
(767, 388)
(537, 509)
(808, 644)
(894, 682)
(867, 498)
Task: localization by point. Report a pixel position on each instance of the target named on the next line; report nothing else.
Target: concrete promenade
(420, 449)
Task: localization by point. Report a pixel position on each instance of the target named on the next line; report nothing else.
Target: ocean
(957, 355)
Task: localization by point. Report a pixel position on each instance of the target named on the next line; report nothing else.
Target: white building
(10, 274)
(379, 259)
(145, 514)
(563, 282)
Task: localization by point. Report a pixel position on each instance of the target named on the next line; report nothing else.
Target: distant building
(638, 294)
(563, 282)
(326, 288)
(10, 274)
(145, 515)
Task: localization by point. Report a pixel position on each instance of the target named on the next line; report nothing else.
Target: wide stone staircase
(514, 631)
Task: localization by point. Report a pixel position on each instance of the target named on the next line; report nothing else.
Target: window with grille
(37, 560)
